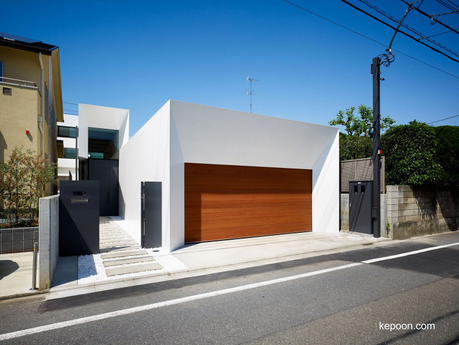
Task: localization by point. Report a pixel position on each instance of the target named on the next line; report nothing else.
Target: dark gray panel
(106, 172)
(151, 214)
(360, 206)
(79, 218)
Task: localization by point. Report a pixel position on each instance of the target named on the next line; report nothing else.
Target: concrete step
(116, 240)
(125, 261)
(120, 254)
(118, 248)
(111, 232)
(114, 271)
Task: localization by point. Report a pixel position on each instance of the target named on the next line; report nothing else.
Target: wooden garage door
(226, 201)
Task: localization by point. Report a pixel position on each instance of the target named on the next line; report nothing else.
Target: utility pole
(376, 211)
(376, 71)
(250, 92)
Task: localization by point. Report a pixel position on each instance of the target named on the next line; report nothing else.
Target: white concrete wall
(146, 158)
(48, 252)
(189, 133)
(325, 189)
(94, 116)
(202, 134)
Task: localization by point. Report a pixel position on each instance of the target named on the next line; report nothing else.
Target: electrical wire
(402, 32)
(371, 39)
(420, 34)
(448, 6)
(451, 117)
(432, 19)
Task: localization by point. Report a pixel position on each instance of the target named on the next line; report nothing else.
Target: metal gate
(360, 206)
(78, 218)
(151, 236)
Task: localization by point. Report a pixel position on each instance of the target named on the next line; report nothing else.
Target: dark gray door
(360, 206)
(78, 218)
(106, 172)
(151, 214)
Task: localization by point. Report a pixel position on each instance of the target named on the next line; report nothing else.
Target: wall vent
(7, 91)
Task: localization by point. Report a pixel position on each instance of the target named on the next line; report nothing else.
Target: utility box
(79, 218)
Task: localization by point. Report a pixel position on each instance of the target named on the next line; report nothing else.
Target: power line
(451, 117)
(370, 39)
(402, 32)
(420, 34)
(448, 6)
(441, 33)
(432, 19)
(70, 103)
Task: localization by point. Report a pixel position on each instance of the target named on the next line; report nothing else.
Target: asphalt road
(346, 298)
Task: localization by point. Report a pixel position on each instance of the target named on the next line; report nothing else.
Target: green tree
(448, 153)
(23, 181)
(356, 143)
(359, 125)
(410, 152)
(354, 147)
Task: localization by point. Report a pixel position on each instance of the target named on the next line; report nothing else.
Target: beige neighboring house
(30, 96)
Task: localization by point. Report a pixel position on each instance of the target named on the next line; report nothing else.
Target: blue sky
(139, 54)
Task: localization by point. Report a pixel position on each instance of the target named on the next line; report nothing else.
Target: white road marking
(414, 252)
(133, 310)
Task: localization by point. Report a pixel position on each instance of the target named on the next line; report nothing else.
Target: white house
(228, 174)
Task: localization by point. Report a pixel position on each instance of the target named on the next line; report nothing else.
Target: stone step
(111, 234)
(120, 254)
(114, 271)
(111, 240)
(118, 248)
(125, 261)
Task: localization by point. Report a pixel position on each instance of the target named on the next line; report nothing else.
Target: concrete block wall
(414, 211)
(48, 249)
(344, 214)
(18, 240)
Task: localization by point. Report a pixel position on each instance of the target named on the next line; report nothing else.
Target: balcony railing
(18, 82)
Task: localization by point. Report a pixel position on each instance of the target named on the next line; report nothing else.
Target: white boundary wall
(189, 133)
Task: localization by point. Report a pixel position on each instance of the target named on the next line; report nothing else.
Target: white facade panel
(146, 158)
(94, 116)
(189, 133)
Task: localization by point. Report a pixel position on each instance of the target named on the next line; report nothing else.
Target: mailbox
(79, 218)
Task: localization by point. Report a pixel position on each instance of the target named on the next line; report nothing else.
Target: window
(96, 155)
(67, 132)
(69, 152)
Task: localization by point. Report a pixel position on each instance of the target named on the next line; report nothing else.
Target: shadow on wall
(7, 267)
(438, 205)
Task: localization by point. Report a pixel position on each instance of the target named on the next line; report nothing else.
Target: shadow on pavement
(7, 267)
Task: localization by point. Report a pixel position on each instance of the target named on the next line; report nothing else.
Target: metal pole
(34, 269)
(250, 95)
(76, 154)
(376, 211)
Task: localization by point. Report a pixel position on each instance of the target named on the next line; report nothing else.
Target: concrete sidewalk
(219, 256)
(16, 275)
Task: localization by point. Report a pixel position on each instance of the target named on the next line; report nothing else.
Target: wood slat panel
(227, 201)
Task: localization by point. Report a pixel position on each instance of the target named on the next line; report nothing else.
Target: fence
(360, 170)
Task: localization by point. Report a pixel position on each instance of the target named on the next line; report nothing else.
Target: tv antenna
(250, 93)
